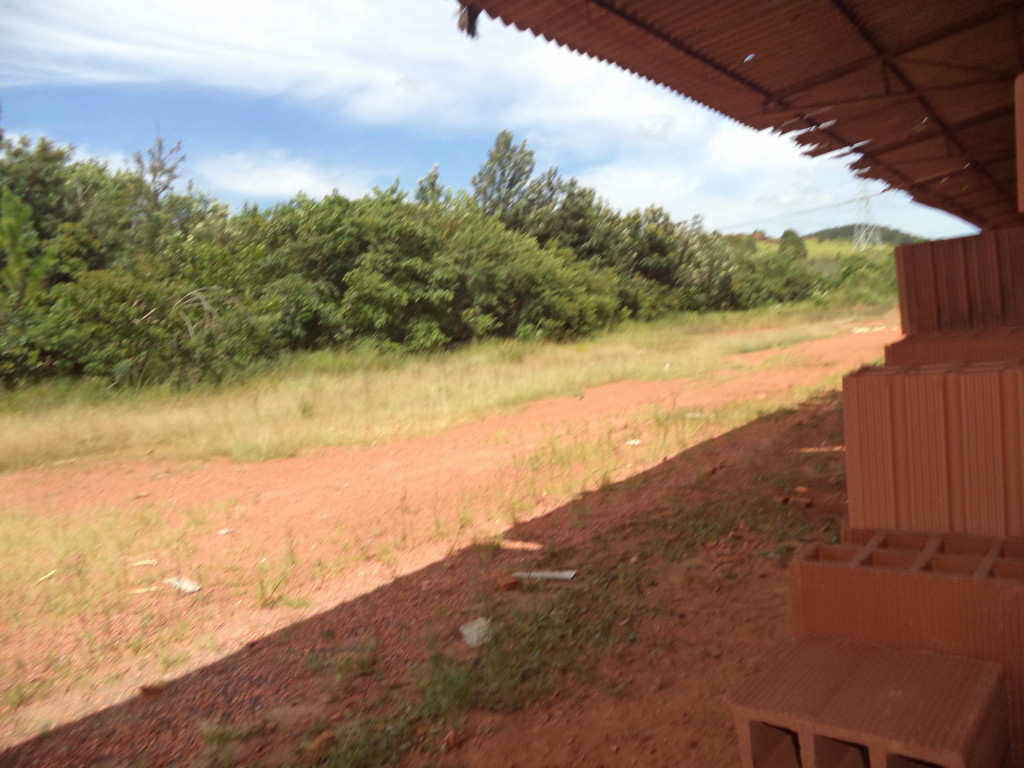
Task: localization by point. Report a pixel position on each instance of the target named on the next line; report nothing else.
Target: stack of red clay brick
(910, 632)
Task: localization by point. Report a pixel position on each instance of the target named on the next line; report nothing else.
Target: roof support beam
(899, 96)
(929, 110)
(984, 117)
(978, 20)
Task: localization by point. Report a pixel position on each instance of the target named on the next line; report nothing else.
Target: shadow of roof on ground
(163, 727)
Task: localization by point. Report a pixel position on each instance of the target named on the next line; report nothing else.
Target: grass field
(364, 397)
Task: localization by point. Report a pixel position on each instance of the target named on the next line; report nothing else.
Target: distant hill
(888, 235)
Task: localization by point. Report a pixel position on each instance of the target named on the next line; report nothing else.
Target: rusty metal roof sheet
(919, 92)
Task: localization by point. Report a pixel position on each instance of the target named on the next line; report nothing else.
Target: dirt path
(376, 536)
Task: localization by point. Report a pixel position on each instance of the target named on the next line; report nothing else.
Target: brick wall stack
(933, 557)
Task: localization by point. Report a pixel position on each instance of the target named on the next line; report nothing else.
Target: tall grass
(361, 396)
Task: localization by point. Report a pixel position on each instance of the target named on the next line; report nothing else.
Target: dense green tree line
(123, 275)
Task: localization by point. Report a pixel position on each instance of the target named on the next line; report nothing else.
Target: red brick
(984, 282)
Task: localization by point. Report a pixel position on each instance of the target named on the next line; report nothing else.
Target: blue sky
(273, 97)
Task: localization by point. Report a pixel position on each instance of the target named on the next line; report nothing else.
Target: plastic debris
(47, 576)
(552, 575)
(476, 632)
(182, 584)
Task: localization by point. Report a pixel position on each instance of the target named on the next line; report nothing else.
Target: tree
(429, 190)
(38, 175)
(570, 215)
(650, 245)
(402, 291)
(24, 271)
(513, 287)
(158, 171)
(104, 203)
(792, 246)
(705, 275)
(502, 180)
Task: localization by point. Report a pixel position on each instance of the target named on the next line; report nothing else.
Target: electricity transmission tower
(865, 232)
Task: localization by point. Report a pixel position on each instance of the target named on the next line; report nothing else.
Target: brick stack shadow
(909, 634)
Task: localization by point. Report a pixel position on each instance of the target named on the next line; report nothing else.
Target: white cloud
(113, 159)
(403, 63)
(378, 61)
(735, 149)
(276, 174)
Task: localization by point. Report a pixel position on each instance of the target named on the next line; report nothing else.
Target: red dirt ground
(406, 512)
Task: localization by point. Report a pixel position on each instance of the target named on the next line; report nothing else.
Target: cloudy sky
(273, 97)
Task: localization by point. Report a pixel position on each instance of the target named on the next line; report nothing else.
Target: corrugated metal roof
(920, 91)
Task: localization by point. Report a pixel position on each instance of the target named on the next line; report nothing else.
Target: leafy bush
(120, 276)
(112, 325)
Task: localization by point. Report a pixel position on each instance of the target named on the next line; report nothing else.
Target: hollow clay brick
(906, 289)
(936, 447)
(972, 282)
(984, 282)
(956, 594)
(956, 499)
(970, 346)
(868, 424)
(951, 284)
(921, 447)
(927, 299)
(915, 283)
(1010, 245)
(832, 703)
(1012, 397)
(1018, 100)
(984, 486)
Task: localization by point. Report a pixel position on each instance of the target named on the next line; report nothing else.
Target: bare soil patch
(311, 559)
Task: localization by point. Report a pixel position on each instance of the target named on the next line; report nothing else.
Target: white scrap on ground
(554, 575)
(476, 632)
(182, 584)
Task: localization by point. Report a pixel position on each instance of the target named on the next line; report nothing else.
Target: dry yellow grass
(349, 398)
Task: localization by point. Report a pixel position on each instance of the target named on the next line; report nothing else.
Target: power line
(790, 214)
